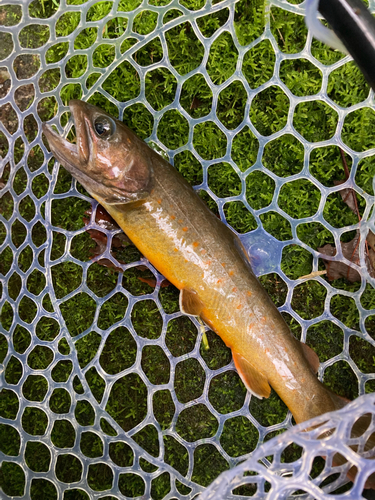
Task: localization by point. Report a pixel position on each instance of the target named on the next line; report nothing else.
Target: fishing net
(107, 390)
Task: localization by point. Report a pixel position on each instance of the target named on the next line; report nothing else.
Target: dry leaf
(105, 221)
(350, 250)
(348, 196)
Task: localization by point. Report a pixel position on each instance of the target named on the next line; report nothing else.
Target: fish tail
(359, 427)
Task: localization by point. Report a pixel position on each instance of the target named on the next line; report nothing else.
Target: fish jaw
(115, 168)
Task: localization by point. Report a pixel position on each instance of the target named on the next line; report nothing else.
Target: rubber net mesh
(107, 390)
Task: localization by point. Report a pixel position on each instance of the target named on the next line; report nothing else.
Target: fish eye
(104, 126)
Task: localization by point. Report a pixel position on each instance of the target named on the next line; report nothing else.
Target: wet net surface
(107, 390)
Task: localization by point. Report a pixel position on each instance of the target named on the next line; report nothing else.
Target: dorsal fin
(253, 379)
(190, 303)
(311, 357)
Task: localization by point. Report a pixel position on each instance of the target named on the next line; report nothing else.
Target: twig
(281, 36)
(313, 275)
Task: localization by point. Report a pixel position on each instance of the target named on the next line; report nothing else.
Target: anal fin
(254, 380)
(311, 357)
(190, 303)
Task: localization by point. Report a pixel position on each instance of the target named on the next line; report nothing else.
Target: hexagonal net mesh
(108, 391)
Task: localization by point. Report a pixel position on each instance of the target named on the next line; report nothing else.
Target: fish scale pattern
(137, 427)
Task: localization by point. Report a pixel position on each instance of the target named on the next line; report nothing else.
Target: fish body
(173, 228)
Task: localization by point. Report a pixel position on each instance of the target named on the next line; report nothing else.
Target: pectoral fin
(311, 356)
(253, 379)
(190, 303)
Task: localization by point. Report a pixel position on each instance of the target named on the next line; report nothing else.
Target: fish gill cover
(106, 389)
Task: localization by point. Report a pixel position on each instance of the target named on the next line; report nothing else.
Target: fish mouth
(64, 151)
(75, 158)
(72, 156)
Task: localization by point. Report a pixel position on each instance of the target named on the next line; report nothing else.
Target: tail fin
(367, 448)
(360, 426)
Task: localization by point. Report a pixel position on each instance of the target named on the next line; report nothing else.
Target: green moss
(40, 357)
(155, 364)
(196, 422)
(259, 189)
(258, 64)
(184, 49)
(341, 379)
(100, 477)
(146, 319)
(34, 421)
(13, 371)
(276, 225)
(289, 29)
(60, 401)
(196, 96)
(269, 110)
(347, 85)
(68, 468)
(296, 262)
(239, 436)
(37, 456)
(139, 119)
(249, 20)
(227, 392)
(326, 338)
(161, 486)
(238, 216)
(84, 413)
(315, 120)
(176, 455)
(231, 105)
(284, 155)
(12, 479)
(123, 83)
(119, 351)
(10, 440)
(91, 445)
(308, 299)
(147, 438)
(78, 313)
(35, 388)
(127, 402)
(173, 130)
(301, 76)
(218, 354)
(355, 130)
(275, 287)
(223, 180)
(362, 353)
(270, 411)
(86, 348)
(181, 336)
(42, 488)
(121, 453)
(208, 463)
(9, 404)
(299, 198)
(189, 167)
(96, 383)
(189, 380)
(345, 309)
(163, 408)
(131, 485)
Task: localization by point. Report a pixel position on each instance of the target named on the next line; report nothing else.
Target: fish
(195, 251)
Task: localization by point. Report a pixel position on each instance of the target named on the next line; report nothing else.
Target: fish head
(108, 159)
